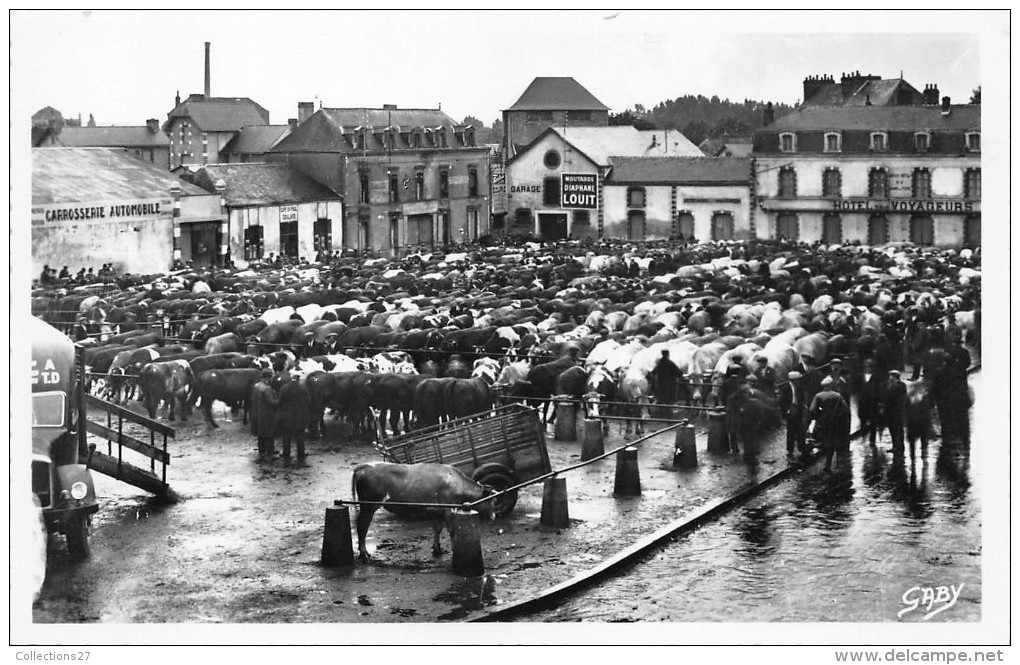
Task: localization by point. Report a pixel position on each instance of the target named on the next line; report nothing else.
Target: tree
(630, 118)
(474, 122)
(975, 96)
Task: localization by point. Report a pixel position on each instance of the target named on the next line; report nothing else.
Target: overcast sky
(124, 67)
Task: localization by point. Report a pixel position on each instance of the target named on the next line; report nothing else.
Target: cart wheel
(77, 533)
(499, 478)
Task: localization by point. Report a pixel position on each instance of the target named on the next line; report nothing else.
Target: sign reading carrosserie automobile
(53, 214)
(579, 190)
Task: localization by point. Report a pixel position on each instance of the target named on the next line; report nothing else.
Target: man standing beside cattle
(831, 416)
(263, 415)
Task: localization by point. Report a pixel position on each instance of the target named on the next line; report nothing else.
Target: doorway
(878, 230)
(419, 230)
(685, 226)
(922, 230)
(832, 229)
(722, 226)
(972, 231)
(204, 248)
(787, 226)
(552, 226)
(636, 225)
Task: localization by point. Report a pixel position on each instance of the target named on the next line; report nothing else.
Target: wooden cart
(500, 449)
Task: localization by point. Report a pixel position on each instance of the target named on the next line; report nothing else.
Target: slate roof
(881, 92)
(680, 170)
(256, 139)
(333, 130)
(557, 93)
(599, 143)
(219, 114)
(963, 117)
(63, 175)
(111, 137)
(259, 183)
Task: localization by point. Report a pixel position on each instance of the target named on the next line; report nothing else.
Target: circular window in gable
(552, 159)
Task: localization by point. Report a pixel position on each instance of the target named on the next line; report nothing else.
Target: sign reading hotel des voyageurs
(579, 190)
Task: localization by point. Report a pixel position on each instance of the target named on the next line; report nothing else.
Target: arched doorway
(922, 230)
(787, 226)
(722, 226)
(832, 229)
(878, 230)
(685, 225)
(636, 225)
(972, 231)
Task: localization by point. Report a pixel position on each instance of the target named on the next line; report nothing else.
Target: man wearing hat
(832, 417)
(766, 375)
(791, 405)
(839, 382)
(867, 400)
(811, 384)
(262, 414)
(893, 409)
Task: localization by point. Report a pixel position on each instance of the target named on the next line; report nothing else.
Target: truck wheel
(498, 477)
(77, 533)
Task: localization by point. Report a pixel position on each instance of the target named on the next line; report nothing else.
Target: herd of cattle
(433, 337)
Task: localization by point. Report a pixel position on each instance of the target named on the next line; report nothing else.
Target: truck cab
(62, 487)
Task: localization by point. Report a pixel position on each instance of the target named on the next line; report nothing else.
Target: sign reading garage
(579, 190)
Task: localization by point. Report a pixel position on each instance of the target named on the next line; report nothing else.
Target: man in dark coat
(666, 377)
(893, 408)
(765, 375)
(832, 417)
(263, 415)
(791, 405)
(839, 382)
(295, 414)
(867, 401)
(811, 384)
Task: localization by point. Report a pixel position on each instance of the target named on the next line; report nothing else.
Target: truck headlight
(79, 490)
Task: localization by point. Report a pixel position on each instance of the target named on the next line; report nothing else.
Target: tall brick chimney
(153, 125)
(769, 116)
(208, 95)
(305, 111)
(931, 94)
(812, 84)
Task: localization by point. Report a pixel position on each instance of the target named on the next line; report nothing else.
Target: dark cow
(380, 482)
(230, 386)
(166, 382)
(145, 339)
(214, 361)
(393, 394)
(571, 382)
(543, 378)
(430, 401)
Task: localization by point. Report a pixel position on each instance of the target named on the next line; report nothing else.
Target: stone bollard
(566, 419)
(466, 534)
(337, 549)
(628, 478)
(592, 445)
(717, 442)
(554, 503)
(685, 456)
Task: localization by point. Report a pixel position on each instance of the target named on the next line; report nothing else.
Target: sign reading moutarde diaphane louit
(579, 190)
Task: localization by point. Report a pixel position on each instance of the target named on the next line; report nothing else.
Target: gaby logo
(940, 598)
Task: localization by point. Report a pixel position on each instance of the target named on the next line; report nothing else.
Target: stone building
(872, 174)
(535, 176)
(92, 206)
(201, 126)
(272, 209)
(689, 198)
(409, 177)
(550, 101)
(146, 142)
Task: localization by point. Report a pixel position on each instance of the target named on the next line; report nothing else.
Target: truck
(62, 487)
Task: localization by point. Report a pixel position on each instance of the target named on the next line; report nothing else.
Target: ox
(377, 483)
(165, 382)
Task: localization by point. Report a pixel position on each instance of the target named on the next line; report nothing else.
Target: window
(289, 239)
(974, 141)
(787, 142)
(469, 137)
(551, 192)
(722, 226)
(394, 230)
(635, 197)
(878, 184)
(361, 141)
(472, 181)
(253, 243)
(922, 142)
(879, 141)
(582, 218)
(416, 138)
(419, 186)
(920, 184)
(579, 116)
(833, 142)
(364, 233)
(394, 187)
(685, 225)
(551, 159)
(832, 183)
(444, 184)
(972, 184)
(441, 138)
(363, 196)
(787, 182)
(540, 116)
(323, 234)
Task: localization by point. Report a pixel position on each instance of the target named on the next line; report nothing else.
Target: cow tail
(354, 481)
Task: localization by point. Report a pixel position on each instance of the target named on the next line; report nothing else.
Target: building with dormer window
(871, 174)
